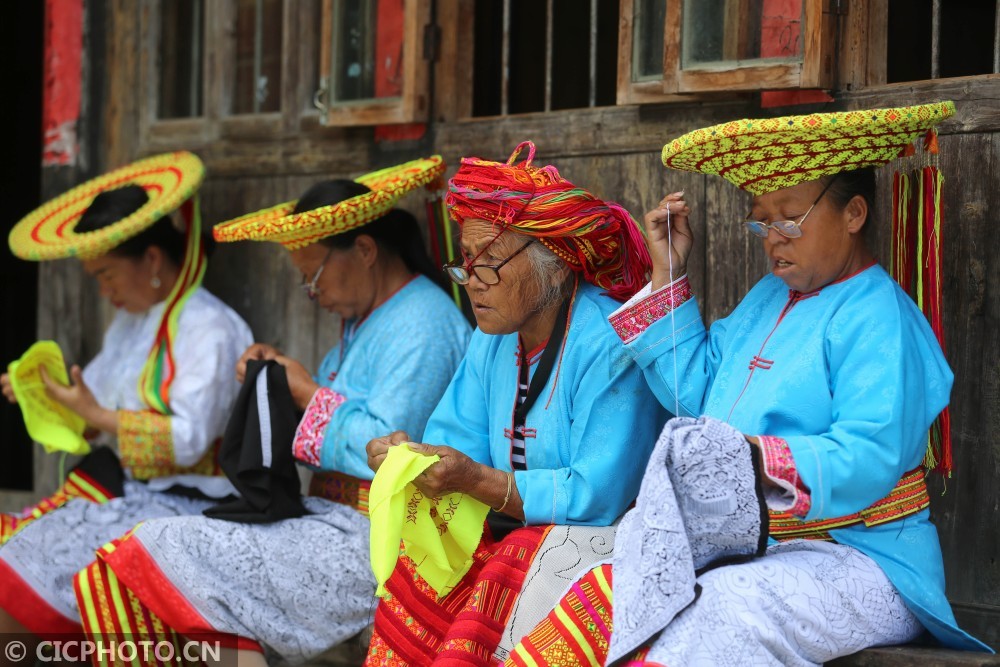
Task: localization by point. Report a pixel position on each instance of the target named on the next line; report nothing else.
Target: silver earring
(155, 282)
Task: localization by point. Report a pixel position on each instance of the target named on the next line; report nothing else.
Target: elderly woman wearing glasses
(293, 588)
(815, 397)
(546, 420)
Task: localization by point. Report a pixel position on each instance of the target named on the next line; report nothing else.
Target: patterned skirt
(293, 588)
(38, 563)
(512, 584)
(804, 603)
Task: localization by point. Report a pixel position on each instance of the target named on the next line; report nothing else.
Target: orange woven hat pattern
(48, 231)
(297, 230)
(767, 154)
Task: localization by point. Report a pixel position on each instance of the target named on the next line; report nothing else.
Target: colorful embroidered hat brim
(280, 225)
(48, 231)
(767, 154)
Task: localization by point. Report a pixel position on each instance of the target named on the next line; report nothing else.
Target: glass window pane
(647, 39)
(734, 33)
(367, 50)
(180, 58)
(259, 26)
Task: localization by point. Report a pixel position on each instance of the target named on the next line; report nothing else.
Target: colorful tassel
(917, 254)
(903, 232)
(939, 455)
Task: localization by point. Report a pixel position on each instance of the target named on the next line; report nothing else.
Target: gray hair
(544, 265)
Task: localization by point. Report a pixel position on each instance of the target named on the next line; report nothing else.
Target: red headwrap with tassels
(595, 237)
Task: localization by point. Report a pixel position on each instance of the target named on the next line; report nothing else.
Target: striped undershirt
(518, 461)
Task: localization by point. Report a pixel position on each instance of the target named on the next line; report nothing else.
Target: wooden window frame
(162, 133)
(814, 71)
(217, 122)
(411, 106)
(629, 90)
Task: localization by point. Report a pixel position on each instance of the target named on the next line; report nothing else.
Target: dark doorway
(21, 52)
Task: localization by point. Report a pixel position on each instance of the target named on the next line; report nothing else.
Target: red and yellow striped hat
(297, 230)
(767, 154)
(48, 232)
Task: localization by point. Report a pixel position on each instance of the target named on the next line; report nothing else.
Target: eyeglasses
(461, 272)
(310, 287)
(787, 228)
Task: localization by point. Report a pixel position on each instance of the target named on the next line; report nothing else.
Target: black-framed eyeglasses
(787, 228)
(310, 288)
(461, 271)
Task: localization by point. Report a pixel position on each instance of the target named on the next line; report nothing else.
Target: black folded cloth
(256, 452)
(102, 466)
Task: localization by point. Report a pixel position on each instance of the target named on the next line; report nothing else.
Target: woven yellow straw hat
(48, 231)
(767, 154)
(280, 225)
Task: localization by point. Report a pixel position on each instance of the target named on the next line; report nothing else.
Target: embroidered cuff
(779, 466)
(146, 447)
(312, 429)
(635, 317)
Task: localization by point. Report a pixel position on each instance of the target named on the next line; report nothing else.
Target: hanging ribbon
(160, 368)
(439, 232)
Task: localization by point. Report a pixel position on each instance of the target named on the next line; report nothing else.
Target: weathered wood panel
(968, 514)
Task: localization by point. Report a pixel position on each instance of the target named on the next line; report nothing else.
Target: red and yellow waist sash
(341, 488)
(907, 498)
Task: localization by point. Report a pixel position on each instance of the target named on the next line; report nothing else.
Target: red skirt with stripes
(413, 627)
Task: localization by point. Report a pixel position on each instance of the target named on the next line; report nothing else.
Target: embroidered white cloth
(700, 504)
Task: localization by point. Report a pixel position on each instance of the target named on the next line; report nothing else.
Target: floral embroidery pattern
(146, 446)
(632, 321)
(779, 466)
(312, 429)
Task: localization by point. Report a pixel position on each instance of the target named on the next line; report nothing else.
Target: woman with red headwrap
(545, 421)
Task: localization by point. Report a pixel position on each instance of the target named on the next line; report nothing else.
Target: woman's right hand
(378, 448)
(675, 252)
(8, 390)
(257, 351)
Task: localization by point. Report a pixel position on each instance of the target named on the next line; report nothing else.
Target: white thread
(673, 326)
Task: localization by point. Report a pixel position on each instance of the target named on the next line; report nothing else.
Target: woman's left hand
(300, 381)
(78, 398)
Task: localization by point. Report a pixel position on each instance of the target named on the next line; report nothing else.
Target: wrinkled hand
(8, 390)
(300, 381)
(379, 447)
(78, 398)
(678, 249)
(454, 473)
(257, 351)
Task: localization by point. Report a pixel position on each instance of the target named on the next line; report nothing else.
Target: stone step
(915, 656)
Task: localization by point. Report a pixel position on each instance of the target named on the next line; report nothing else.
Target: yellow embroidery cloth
(49, 422)
(439, 535)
